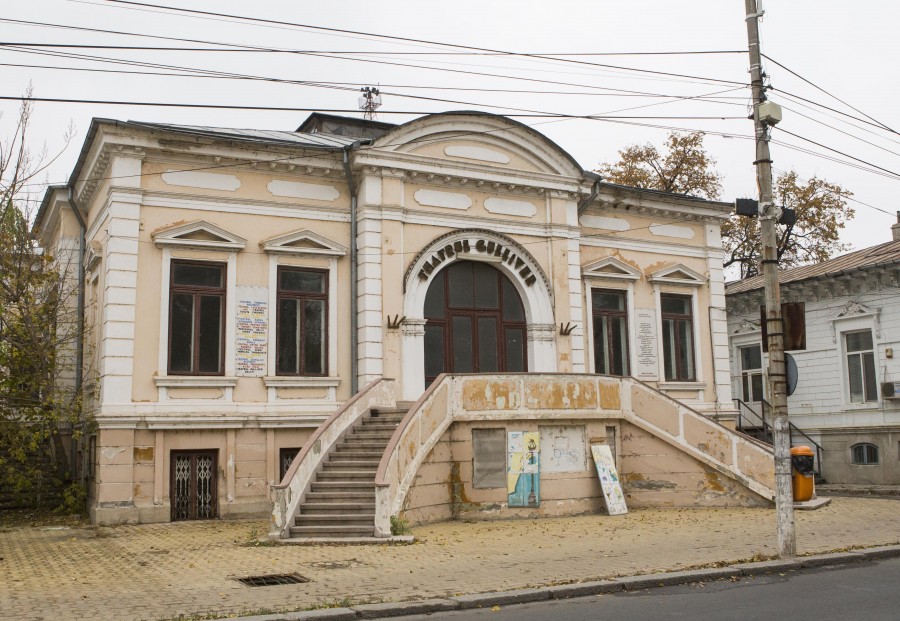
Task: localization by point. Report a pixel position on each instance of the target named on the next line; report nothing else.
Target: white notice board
(609, 479)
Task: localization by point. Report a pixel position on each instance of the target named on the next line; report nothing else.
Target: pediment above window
(854, 308)
(678, 275)
(198, 234)
(303, 242)
(611, 267)
(746, 327)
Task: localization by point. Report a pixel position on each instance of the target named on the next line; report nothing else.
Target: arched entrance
(474, 322)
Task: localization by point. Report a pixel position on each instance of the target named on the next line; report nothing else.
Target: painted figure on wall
(523, 475)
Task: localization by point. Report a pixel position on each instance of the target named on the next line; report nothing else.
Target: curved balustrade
(550, 396)
(289, 493)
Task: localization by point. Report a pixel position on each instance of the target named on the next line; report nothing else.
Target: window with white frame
(302, 321)
(610, 317)
(678, 337)
(196, 318)
(859, 350)
(751, 373)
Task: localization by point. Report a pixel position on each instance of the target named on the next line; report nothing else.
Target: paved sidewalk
(162, 571)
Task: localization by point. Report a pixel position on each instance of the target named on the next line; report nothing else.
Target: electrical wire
(258, 20)
(367, 52)
(162, 104)
(817, 87)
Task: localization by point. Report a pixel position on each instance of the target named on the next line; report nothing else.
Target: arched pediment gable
(477, 138)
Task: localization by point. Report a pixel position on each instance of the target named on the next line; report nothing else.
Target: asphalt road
(868, 590)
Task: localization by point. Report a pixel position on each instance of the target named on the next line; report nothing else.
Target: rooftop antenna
(369, 102)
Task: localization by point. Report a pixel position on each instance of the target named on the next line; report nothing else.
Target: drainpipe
(79, 312)
(595, 192)
(354, 267)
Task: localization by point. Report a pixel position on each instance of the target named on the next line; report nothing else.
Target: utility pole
(768, 216)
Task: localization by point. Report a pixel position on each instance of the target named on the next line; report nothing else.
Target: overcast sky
(847, 49)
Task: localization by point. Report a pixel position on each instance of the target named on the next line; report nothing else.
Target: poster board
(523, 474)
(609, 479)
(251, 332)
(647, 358)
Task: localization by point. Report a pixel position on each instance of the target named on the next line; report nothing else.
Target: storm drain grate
(272, 580)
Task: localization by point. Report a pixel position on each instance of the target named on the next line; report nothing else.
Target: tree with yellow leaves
(686, 168)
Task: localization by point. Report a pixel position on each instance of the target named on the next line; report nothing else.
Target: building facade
(844, 400)
(241, 286)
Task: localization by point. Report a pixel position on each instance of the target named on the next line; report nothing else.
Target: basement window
(864, 454)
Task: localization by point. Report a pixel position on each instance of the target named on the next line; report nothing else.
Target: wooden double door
(475, 322)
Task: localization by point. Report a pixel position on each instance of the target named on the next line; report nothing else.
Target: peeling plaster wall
(133, 475)
(653, 472)
(656, 474)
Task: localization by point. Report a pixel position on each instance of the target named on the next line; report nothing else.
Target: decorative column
(413, 353)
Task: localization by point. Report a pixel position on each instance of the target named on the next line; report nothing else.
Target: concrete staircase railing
(289, 493)
(554, 396)
(734, 454)
(415, 436)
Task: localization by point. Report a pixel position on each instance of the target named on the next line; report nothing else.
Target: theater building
(254, 294)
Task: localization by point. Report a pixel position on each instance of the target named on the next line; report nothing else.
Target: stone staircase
(340, 501)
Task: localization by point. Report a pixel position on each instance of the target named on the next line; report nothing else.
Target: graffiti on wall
(523, 476)
(563, 448)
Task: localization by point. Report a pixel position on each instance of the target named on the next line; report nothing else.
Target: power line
(413, 40)
(367, 52)
(163, 104)
(817, 87)
(818, 144)
(354, 86)
(383, 62)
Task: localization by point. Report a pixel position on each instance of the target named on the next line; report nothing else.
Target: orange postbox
(802, 482)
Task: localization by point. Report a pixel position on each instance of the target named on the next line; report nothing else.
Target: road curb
(580, 589)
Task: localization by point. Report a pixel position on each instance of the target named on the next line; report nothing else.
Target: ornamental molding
(746, 327)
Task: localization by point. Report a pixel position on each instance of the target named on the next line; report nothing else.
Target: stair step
(352, 464)
(343, 475)
(342, 519)
(343, 486)
(362, 444)
(336, 497)
(336, 508)
(333, 531)
(350, 453)
(383, 427)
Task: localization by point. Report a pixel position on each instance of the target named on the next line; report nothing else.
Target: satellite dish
(791, 373)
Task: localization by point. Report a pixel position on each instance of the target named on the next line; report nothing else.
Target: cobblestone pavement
(162, 571)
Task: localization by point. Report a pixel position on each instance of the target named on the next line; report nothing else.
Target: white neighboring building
(852, 333)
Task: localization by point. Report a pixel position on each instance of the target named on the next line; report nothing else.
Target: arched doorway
(475, 322)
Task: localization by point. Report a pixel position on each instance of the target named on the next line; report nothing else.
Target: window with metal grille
(302, 325)
(610, 317)
(196, 318)
(861, 379)
(285, 459)
(678, 337)
(864, 454)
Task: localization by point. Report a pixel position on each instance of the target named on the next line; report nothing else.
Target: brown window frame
(198, 291)
(680, 374)
(281, 294)
(451, 311)
(623, 314)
